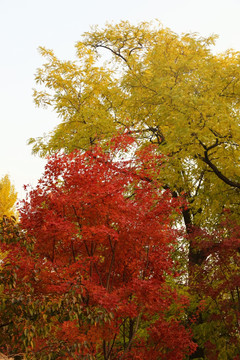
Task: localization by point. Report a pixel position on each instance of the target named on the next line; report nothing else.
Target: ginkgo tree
(91, 275)
(8, 197)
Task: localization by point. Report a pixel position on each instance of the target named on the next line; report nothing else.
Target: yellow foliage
(8, 197)
(169, 89)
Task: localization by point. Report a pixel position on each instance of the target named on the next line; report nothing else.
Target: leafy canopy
(174, 92)
(93, 277)
(8, 197)
(169, 90)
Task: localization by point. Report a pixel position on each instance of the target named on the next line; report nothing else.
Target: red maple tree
(93, 278)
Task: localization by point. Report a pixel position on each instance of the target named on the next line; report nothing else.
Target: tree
(8, 197)
(168, 90)
(94, 277)
(12, 313)
(216, 280)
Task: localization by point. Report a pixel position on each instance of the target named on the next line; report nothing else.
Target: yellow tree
(168, 89)
(8, 197)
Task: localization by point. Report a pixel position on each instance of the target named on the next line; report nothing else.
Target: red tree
(93, 282)
(216, 281)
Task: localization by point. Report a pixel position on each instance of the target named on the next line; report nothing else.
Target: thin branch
(134, 333)
(217, 172)
(115, 53)
(112, 262)
(85, 244)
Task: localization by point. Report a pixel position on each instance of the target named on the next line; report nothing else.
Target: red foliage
(102, 244)
(216, 278)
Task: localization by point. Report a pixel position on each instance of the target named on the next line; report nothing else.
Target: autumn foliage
(92, 275)
(215, 285)
(8, 197)
(173, 91)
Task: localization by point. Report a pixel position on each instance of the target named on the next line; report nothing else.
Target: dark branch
(217, 172)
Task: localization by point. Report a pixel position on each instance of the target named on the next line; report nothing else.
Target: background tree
(11, 308)
(8, 197)
(216, 282)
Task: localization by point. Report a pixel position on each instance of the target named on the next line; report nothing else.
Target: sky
(58, 24)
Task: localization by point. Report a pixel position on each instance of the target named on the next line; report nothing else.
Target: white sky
(58, 24)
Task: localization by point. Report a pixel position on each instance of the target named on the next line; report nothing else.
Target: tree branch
(217, 172)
